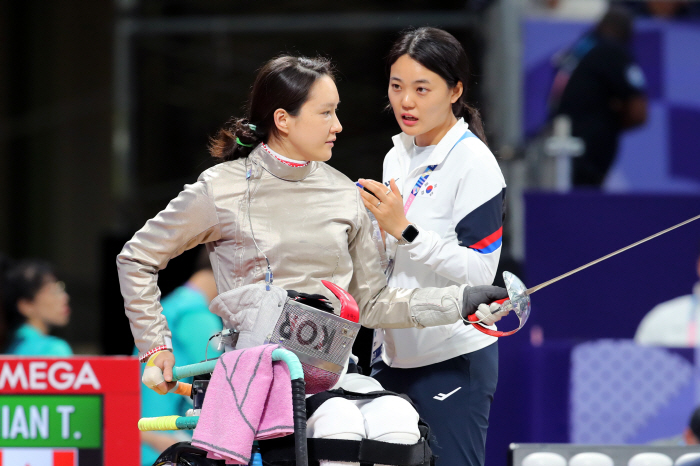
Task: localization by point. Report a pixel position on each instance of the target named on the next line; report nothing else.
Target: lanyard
(414, 192)
(416, 188)
(426, 174)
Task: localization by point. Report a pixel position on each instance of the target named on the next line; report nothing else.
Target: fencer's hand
(490, 314)
(475, 295)
(158, 374)
(386, 205)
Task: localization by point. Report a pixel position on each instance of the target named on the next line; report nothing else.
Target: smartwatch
(409, 234)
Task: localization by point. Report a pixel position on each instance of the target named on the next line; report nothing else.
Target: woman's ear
(25, 307)
(281, 118)
(457, 92)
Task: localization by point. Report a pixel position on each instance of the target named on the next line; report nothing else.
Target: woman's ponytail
(473, 118)
(235, 140)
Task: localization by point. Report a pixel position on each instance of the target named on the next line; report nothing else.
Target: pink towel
(248, 398)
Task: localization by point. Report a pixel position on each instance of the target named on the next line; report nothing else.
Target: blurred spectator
(191, 323)
(690, 435)
(672, 323)
(566, 9)
(601, 88)
(34, 301)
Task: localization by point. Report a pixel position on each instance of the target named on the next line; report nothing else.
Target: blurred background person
(192, 325)
(673, 323)
(602, 90)
(689, 436)
(34, 301)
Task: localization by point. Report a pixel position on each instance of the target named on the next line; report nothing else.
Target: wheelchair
(299, 354)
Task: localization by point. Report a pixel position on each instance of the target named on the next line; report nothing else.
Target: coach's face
(421, 101)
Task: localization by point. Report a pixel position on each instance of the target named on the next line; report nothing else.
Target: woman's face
(311, 134)
(421, 100)
(49, 306)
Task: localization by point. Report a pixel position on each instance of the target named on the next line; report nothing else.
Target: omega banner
(69, 411)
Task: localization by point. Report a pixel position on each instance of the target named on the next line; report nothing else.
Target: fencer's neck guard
(279, 169)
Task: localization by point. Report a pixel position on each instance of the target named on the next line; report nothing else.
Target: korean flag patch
(428, 190)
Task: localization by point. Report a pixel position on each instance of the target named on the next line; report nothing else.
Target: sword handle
(494, 333)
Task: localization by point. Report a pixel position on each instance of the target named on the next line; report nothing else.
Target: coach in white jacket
(458, 215)
(443, 213)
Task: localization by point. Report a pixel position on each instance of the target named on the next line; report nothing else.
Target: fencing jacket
(458, 212)
(309, 221)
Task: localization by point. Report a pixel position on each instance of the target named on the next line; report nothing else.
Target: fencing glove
(472, 296)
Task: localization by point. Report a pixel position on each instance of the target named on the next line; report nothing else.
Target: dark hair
(22, 280)
(283, 82)
(616, 24)
(694, 423)
(441, 53)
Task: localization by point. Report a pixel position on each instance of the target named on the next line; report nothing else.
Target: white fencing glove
(490, 314)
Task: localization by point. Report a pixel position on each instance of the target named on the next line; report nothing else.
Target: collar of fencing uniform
(279, 169)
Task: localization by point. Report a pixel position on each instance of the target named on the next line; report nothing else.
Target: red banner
(69, 416)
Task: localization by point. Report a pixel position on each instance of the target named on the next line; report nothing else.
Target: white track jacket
(458, 212)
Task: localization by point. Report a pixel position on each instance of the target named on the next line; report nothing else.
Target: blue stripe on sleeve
(481, 223)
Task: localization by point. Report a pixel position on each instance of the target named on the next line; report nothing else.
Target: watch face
(410, 233)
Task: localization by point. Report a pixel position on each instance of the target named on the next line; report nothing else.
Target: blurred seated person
(34, 301)
(672, 323)
(602, 90)
(187, 311)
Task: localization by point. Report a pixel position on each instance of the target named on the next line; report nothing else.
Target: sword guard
(517, 301)
(494, 333)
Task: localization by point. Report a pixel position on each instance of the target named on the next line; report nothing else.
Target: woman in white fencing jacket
(442, 206)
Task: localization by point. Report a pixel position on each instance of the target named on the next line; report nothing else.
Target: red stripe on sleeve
(488, 240)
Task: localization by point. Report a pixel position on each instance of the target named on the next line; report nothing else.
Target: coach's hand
(158, 374)
(475, 295)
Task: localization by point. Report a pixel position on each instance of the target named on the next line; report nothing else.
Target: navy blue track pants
(454, 397)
